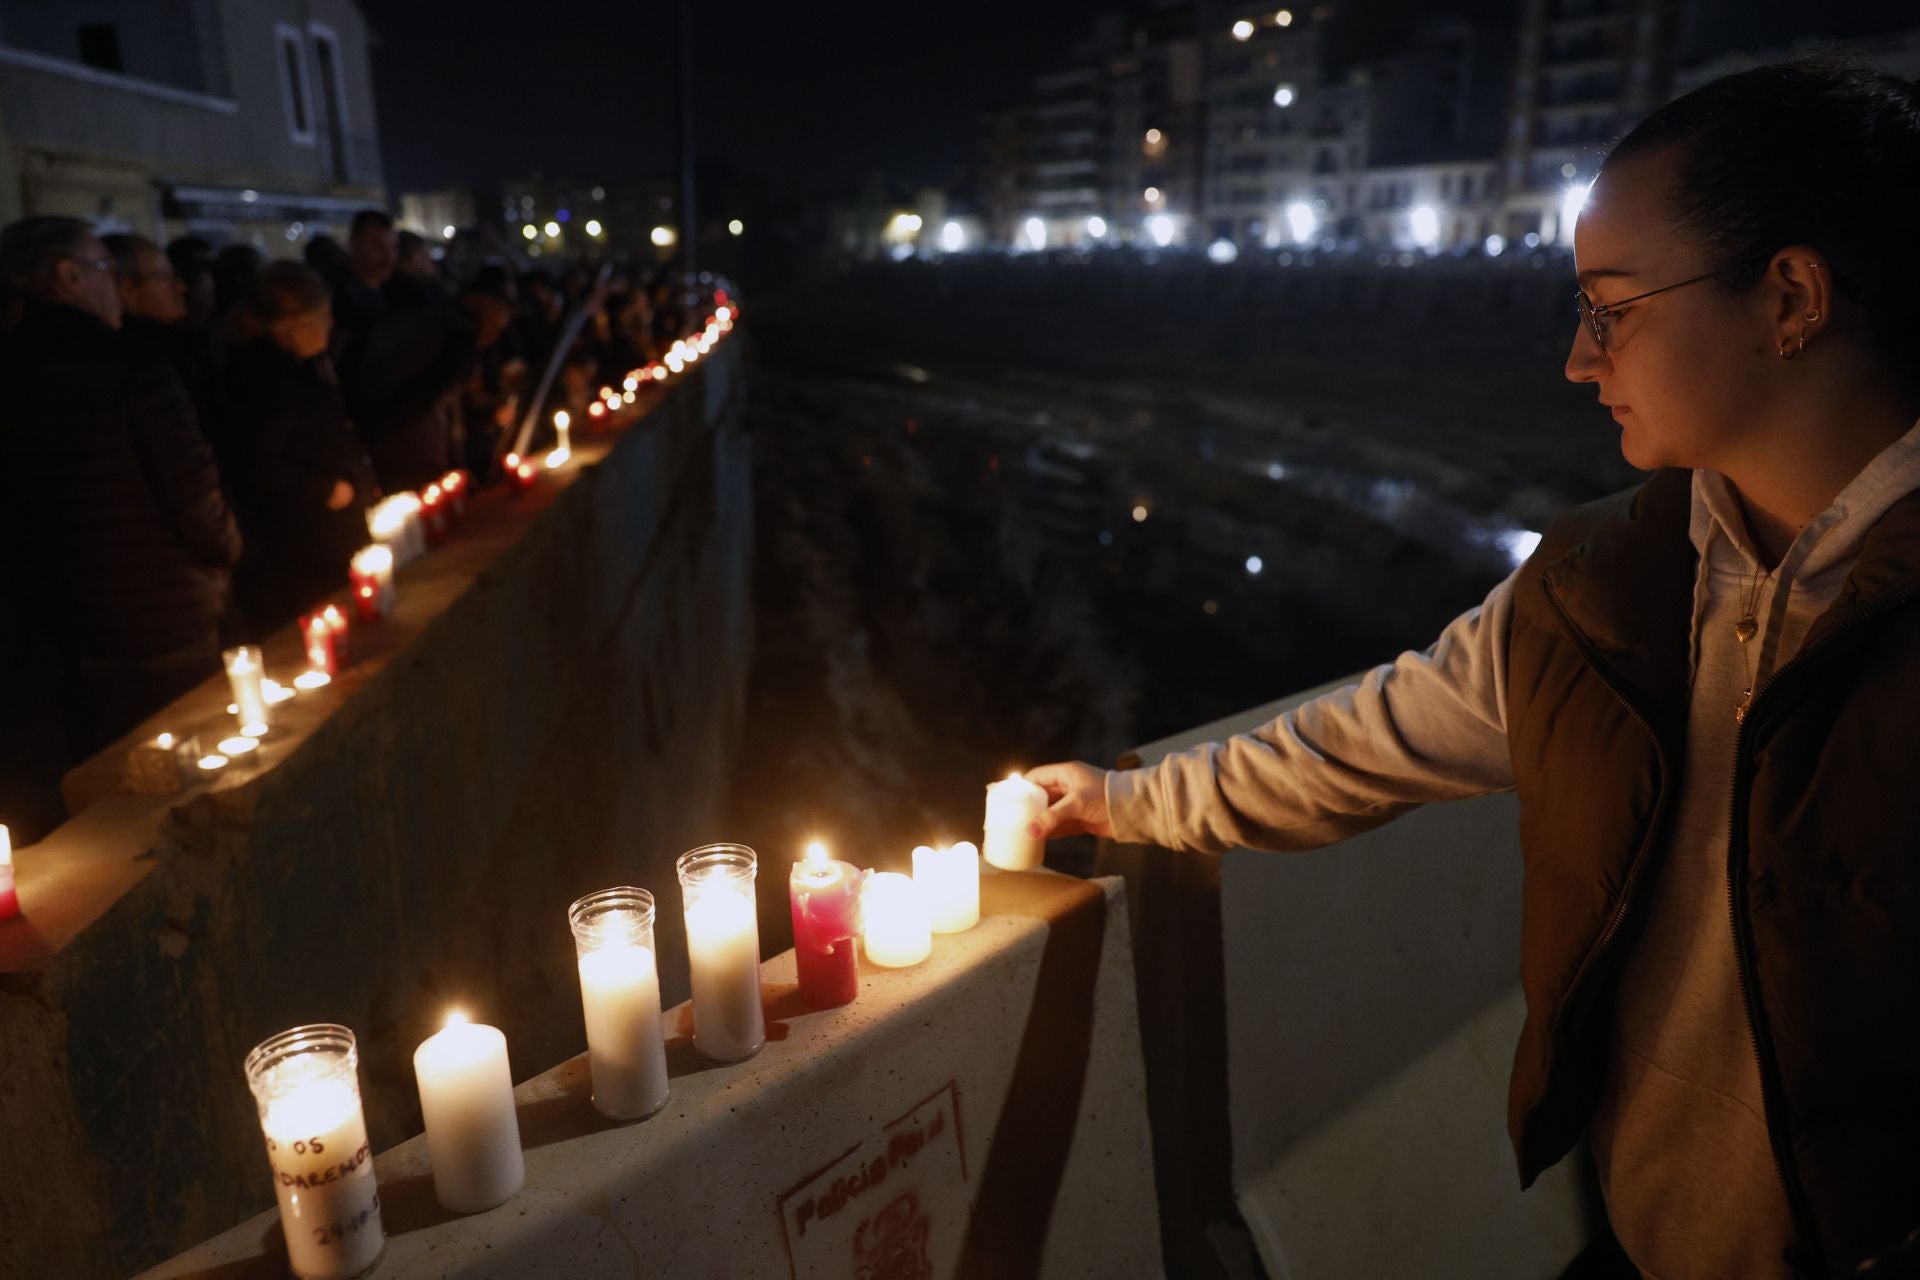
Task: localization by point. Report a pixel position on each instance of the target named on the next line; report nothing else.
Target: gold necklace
(1744, 630)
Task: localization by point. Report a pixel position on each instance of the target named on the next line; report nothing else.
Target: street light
(1283, 95)
(1243, 30)
(664, 237)
(1036, 233)
(1301, 221)
(1284, 18)
(952, 238)
(529, 231)
(736, 227)
(1160, 227)
(552, 229)
(1096, 226)
(1426, 226)
(446, 232)
(593, 226)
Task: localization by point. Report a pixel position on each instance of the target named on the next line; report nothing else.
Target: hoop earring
(1813, 317)
(1800, 344)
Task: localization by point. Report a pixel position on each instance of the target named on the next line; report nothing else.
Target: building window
(100, 46)
(296, 89)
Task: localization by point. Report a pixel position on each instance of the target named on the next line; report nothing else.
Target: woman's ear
(1800, 284)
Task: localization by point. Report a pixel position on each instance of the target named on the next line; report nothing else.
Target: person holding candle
(1703, 692)
(304, 479)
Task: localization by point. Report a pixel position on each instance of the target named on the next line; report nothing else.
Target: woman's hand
(1078, 793)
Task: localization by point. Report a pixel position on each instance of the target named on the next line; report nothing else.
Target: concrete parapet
(553, 708)
(979, 1114)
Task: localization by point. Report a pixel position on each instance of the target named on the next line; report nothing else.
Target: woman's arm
(1428, 726)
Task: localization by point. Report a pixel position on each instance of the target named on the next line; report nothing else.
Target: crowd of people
(193, 436)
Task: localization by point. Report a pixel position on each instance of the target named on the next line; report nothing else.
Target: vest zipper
(1654, 826)
(1805, 1229)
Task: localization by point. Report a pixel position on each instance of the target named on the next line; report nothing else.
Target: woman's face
(304, 334)
(1679, 371)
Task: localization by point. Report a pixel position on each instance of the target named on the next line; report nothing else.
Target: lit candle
(433, 513)
(950, 878)
(562, 440)
(9, 896)
(897, 927)
(325, 633)
(520, 473)
(245, 673)
(454, 485)
(371, 572)
(307, 1087)
(466, 1098)
(161, 765)
(1012, 806)
(620, 996)
(275, 692)
(395, 522)
(825, 898)
(723, 948)
(308, 681)
(237, 746)
(211, 764)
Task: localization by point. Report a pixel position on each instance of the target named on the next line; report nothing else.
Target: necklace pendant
(1746, 701)
(1746, 629)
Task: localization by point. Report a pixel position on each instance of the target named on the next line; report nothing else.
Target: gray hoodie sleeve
(1427, 726)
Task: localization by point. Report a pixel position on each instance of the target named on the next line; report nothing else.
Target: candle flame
(561, 418)
(210, 763)
(6, 846)
(512, 462)
(1014, 776)
(164, 741)
(558, 458)
(312, 680)
(816, 853)
(254, 730)
(457, 1018)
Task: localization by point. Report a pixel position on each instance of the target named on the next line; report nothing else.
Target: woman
(303, 478)
(1705, 692)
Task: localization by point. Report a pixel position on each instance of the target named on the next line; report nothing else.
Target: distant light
(736, 227)
(1426, 225)
(1276, 471)
(952, 238)
(1496, 245)
(1568, 170)
(1151, 195)
(1532, 240)
(1301, 221)
(552, 229)
(1153, 137)
(1254, 565)
(249, 196)
(1519, 544)
(593, 226)
(903, 227)
(1572, 201)
(1243, 30)
(1140, 513)
(1160, 227)
(446, 232)
(1284, 18)
(1096, 226)
(565, 215)
(529, 231)
(1106, 537)
(1036, 233)
(1222, 251)
(1210, 608)
(1283, 95)
(664, 237)
(599, 193)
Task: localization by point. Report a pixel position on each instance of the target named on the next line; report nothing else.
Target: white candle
(950, 879)
(897, 925)
(620, 996)
(1011, 806)
(395, 523)
(245, 674)
(723, 950)
(308, 1092)
(466, 1096)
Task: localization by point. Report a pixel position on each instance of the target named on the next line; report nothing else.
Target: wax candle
(454, 485)
(825, 899)
(161, 765)
(896, 924)
(563, 440)
(395, 522)
(433, 513)
(950, 879)
(308, 681)
(372, 574)
(325, 634)
(9, 896)
(245, 673)
(466, 1098)
(238, 745)
(306, 1084)
(1012, 806)
(723, 948)
(620, 996)
(520, 473)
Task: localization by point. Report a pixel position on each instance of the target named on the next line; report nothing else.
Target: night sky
(815, 97)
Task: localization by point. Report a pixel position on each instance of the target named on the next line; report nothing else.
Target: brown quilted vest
(1824, 857)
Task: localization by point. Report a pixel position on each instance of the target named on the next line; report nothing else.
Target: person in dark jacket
(1703, 692)
(111, 495)
(153, 307)
(304, 478)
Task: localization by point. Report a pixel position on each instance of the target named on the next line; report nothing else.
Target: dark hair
(409, 242)
(234, 269)
(1817, 152)
(378, 219)
(326, 255)
(31, 248)
(288, 289)
(192, 259)
(126, 250)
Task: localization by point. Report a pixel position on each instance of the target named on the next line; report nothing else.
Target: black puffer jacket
(294, 444)
(120, 536)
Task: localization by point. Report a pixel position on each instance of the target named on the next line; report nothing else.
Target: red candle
(9, 899)
(825, 897)
(325, 633)
(520, 474)
(372, 578)
(454, 485)
(433, 513)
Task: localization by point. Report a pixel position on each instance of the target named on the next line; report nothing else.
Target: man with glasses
(120, 538)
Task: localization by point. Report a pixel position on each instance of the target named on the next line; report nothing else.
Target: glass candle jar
(620, 996)
(723, 949)
(306, 1084)
(246, 674)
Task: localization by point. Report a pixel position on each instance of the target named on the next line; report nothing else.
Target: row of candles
(401, 527)
(305, 1080)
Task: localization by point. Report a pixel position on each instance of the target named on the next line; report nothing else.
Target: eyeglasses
(98, 264)
(1599, 319)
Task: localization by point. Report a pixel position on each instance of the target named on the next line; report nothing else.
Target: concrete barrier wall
(553, 709)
